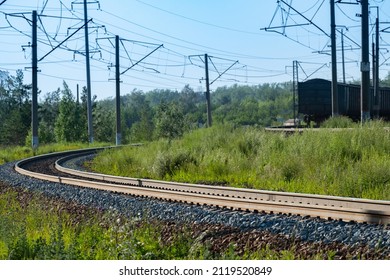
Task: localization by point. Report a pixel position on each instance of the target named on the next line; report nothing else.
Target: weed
(345, 162)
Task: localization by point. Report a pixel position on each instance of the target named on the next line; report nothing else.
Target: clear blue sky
(227, 30)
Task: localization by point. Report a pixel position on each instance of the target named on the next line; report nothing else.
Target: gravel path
(372, 237)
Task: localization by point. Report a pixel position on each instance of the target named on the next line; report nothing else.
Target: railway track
(326, 207)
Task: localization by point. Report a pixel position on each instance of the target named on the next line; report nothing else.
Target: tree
(104, 121)
(15, 106)
(169, 121)
(68, 127)
(138, 117)
(386, 81)
(48, 112)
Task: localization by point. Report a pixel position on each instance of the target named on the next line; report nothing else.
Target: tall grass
(36, 232)
(30, 229)
(345, 162)
(12, 153)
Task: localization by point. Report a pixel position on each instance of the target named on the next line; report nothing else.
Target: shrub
(338, 122)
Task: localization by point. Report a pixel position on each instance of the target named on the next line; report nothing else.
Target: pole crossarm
(219, 76)
(309, 20)
(83, 3)
(385, 30)
(349, 3)
(70, 36)
(139, 61)
(283, 26)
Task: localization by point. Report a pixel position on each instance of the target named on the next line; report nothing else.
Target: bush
(323, 162)
(168, 163)
(338, 122)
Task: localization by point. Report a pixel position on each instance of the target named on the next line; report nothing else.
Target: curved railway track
(327, 207)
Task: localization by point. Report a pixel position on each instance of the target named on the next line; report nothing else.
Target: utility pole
(88, 70)
(118, 93)
(34, 106)
(342, 54)
(118, 138)
(78, 94)
(373, 64)
(295, 88)
(206, 61)
(365, 64)
(335, 103)
(34, 82)
(376, 81)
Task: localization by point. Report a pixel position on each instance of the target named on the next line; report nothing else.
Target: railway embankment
(305, 237)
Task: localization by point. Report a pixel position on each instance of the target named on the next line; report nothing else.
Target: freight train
(315, 101)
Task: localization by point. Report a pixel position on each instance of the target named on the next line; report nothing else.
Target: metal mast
(118, 93)
(335, 103)
(88, 69)
(295, 89)
(206, 61)
(365, 64)
(34, 106)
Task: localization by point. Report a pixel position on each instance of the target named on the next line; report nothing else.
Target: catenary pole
(342, 54)
(206, 61)
(34, 106)
(365, 64)
(88, 70)
(335, 103)
(295, 89)
(376, 82)
(118, 93)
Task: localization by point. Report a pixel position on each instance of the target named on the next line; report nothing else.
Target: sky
(163, 42)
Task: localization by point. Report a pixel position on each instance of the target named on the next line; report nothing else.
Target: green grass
(345, 162)
(12, 153)
(33, 227)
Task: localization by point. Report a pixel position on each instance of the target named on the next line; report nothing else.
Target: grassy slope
(352, 162)
(12, 153)
(34, 227)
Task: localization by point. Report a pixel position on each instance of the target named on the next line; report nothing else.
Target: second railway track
(327, 207)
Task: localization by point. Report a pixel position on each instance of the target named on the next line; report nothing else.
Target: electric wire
(157, 61)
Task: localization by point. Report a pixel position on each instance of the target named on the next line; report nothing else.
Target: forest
(145, 116)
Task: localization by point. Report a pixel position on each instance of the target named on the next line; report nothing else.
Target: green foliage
(137, 118)
(13, 153)
(104, 123)
(167, 164)
(68, 127)
(47, 113)
(386, 81)
(15, 108)
(261, 105)
(32, 230)
(343, 162)
(338, 122)
(35, 232)
(145, 116)
(169, 121)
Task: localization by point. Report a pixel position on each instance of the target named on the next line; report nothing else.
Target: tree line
(145, 116)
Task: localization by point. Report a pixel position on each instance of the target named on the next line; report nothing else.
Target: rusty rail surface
(327, 207)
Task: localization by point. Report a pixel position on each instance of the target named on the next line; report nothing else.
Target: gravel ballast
(374, 237)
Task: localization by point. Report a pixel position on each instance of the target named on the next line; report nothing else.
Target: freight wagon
(315, 101)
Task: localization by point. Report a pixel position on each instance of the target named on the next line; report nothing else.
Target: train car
(315, 101)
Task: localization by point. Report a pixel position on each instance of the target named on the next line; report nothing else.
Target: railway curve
(306, 235)
(326, 207)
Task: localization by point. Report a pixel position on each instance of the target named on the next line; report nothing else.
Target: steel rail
(283, 197)
(327, 207)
